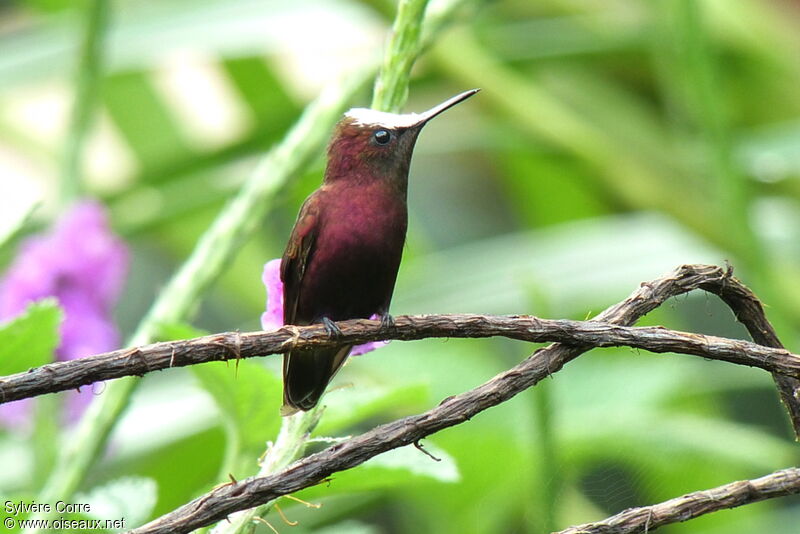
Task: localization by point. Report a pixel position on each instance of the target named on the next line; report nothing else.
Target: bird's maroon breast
(356, 255)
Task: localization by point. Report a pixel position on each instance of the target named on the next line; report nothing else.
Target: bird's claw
(387, 321)
(330, 327)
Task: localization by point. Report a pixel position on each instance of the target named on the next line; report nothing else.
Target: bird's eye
(382, 137)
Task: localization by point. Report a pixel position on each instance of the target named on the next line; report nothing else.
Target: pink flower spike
(369, 346)
(272, 318)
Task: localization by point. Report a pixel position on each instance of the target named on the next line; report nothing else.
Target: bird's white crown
(371, 117)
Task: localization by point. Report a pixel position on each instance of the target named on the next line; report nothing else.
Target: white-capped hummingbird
(344, 252)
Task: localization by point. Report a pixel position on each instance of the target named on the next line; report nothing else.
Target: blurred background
(612, 141)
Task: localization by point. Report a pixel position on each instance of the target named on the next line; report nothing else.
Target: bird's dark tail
(306, 374)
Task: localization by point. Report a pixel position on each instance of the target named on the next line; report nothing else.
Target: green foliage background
(611, 142)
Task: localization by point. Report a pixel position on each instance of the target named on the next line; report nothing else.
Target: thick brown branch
(649, 518)
(313, 469)
(75, 373)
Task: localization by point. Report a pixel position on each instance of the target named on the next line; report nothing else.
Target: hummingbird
(344, 251)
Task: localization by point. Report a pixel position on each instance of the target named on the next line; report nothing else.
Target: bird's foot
(387, 321)
(330, 327)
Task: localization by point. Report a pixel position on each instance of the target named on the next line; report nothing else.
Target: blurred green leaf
(182, 469)
(263, 92)
(418, 463)
(348, 527)
(130, 498)
(391, 469)
(664, 434)
(546, 189)
(495, 478)
(772, 154)
(30, 340)
(144, 120)
(249, 397)
(53, 5)
(143, 31)
(582, 267)
(349, 406)
(176, 331)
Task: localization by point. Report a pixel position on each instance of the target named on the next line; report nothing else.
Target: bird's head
(369, 144)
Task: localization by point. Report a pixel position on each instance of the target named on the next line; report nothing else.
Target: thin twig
(691, 505)
(315, 468)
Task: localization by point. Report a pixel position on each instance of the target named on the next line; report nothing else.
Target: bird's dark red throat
(342, 257)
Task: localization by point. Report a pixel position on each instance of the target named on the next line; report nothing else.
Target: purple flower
(83, 265)
(272, 318)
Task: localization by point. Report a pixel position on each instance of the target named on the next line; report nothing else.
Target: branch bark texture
(315, 468)
(686, 507)
(73, 374)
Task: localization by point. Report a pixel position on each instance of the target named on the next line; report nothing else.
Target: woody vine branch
(73, 374)
(686, 507)
(611, 328)
(313, 469)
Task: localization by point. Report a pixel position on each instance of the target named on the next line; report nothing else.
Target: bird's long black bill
(431, 113)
